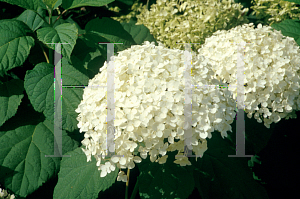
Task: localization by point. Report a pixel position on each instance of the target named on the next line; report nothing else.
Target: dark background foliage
(277, 170)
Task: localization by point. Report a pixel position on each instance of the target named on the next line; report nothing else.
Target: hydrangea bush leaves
(149, 95)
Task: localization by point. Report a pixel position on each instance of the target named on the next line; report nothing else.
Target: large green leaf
(27, 4)
(220, 176)
(78, 178)
(14, 43)
(63, 33)
(90, 58)
(11, 94)
(39, 86)
(289, 28)
(32, 19)
(139, 33)
(108, 31)
(167, 180)
(22, 152)
(70, 4)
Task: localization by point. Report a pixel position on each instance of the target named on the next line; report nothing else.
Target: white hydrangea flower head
(149, 108)
(190, 21)
(272, 75)
(5, 195)
(275, 11)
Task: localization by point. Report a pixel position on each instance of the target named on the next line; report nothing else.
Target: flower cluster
(136, 9)
(272, 69)
(5, 195)
(149, 108)
(190, 21)
(274, 11)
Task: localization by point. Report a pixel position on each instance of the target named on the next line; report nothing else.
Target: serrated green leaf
(289, 27)
(27, 4)
(11, 94)
(15, 45)
(23, 150)
(167, 180)
(220, 176)
(70, 4)
(50, 3)
(32, 19)
(81, 179)
(63, 33)
(109, 31)
(39, 86)
(139, 33)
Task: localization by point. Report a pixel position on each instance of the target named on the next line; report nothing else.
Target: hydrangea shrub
(274, 11)
(272, 70)
(190, 21)
(149, 105)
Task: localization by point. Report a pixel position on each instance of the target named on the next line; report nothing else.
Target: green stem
(60, 16)
(135, 190)
(50, 16)
(127, 184)
(45, 54)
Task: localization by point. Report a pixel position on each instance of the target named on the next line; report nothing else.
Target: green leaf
(109, 31)
(23, 151)
(53, 18)
(78, 178)
(168, 180)
(90, 58)
(50, 3)
(32, 19)
(11, 94)
(289, 27)
(70, 20)
(63, 33)
(39, 86)
(15, 45)
(139, 33)
(127, 2)
(58, 3)
(27, 4)
(220, 176)
(70, 4)
(92, 62)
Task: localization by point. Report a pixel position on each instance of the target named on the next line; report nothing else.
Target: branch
(60, 16)
(45, 54)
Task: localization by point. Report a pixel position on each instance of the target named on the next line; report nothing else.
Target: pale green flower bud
(275, 11)
(190, 21)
